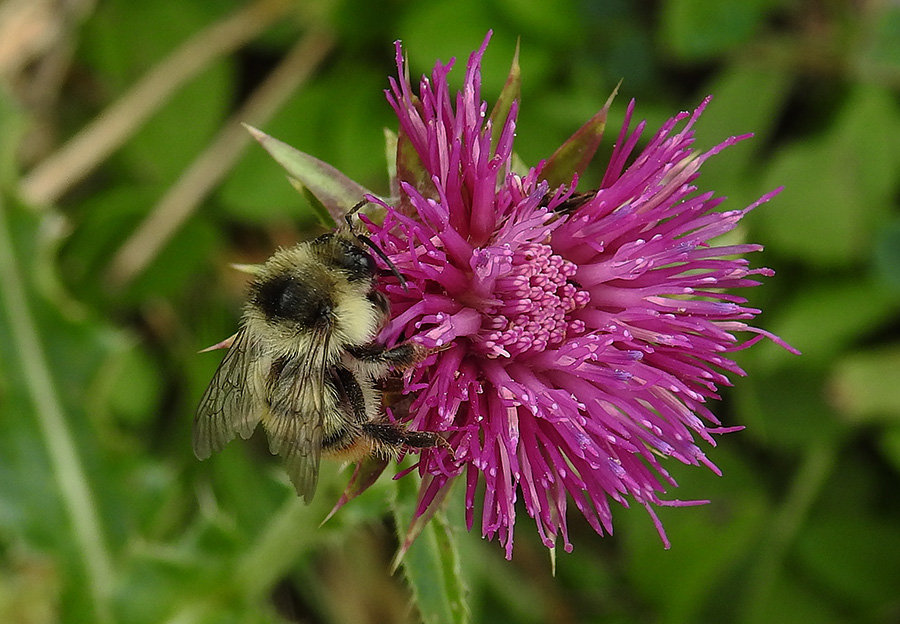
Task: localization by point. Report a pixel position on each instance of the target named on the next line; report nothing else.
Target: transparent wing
(294, 422)
(232, 403)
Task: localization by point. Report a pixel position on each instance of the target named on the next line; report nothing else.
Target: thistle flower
(582, 334)
(578, 335)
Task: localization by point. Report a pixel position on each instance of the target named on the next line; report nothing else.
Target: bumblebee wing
(294, 422)
(232, 403)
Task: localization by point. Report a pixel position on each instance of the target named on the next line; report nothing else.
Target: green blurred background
(128, 188)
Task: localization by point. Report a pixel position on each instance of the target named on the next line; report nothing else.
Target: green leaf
(706, 540)
(699, 29)
(43, 460)
(574, 156)
(887, 255)
(838, 186)
(511, 91)
(365, 473)
(337, 192)
(337, 116)
(431, 564)
(862, 389)
(823, 318)
(854, 557)
(325, 219)
(419, 523)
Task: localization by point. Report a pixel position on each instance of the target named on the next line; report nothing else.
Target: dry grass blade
(48, 181)
(216, 160)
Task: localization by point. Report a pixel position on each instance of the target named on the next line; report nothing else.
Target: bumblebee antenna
(368, 242)
(356, 208)
(380, 253)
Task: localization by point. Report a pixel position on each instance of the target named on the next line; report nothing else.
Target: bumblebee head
(362, 239)
(346, 254)
(323, 287)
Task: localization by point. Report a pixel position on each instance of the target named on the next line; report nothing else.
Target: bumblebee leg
(391, 437)
(351, 398)
(376, 355)
(342, 424)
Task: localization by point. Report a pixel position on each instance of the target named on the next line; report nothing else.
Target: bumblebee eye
(356, 262)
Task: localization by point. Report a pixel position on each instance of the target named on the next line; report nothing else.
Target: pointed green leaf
(336, 191)
(861, 390)
(576, 153)
(365, 474)
(431, 564)
(318, 207)
(511, 91)
(418, 523)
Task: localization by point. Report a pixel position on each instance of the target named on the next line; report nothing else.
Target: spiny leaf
(365, 474)
(573, 156)
(431, 564)
(418, 523)
(318, 207)
(336, 191)
(511, 91)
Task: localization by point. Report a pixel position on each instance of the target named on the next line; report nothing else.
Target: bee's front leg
(378, 358)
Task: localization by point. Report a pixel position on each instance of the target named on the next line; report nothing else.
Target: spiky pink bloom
(580, 345)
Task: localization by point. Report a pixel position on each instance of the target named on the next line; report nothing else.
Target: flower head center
(534, 299)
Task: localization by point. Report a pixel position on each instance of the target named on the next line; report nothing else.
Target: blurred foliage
(105, 515)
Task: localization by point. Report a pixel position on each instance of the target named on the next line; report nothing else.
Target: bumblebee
(306, 360)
